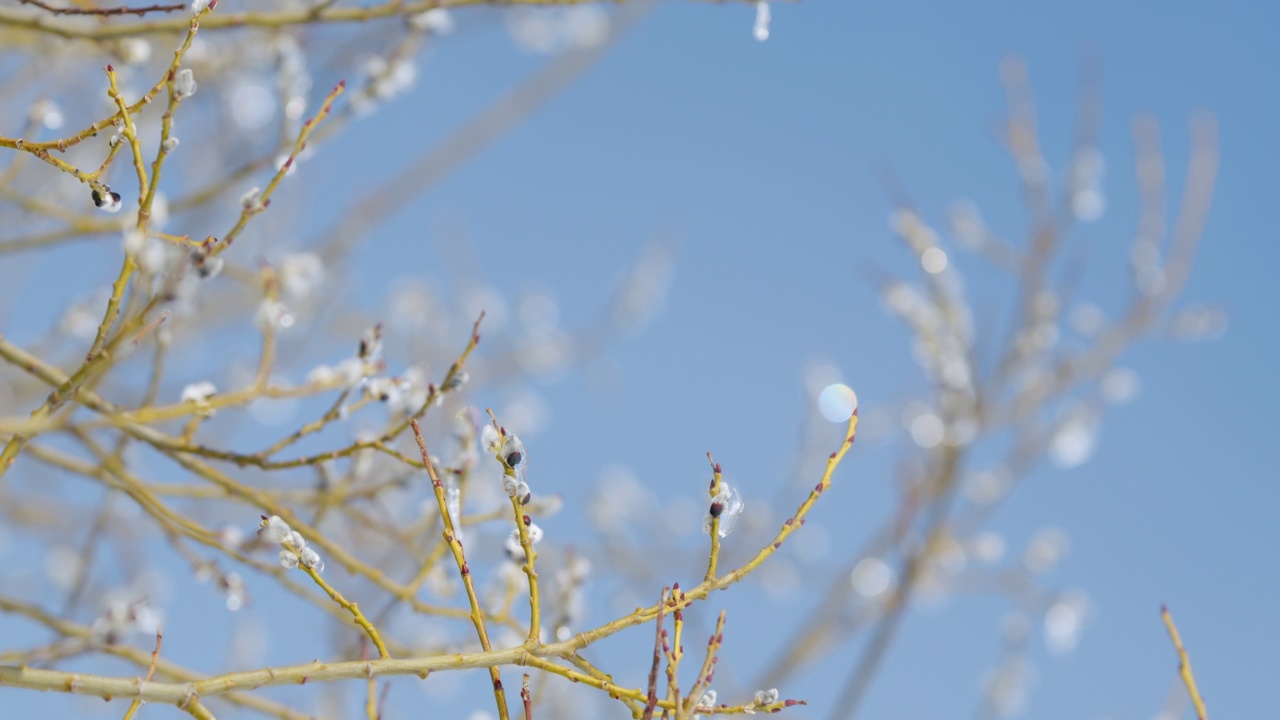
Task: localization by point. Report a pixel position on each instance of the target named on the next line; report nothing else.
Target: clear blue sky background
(760, 160)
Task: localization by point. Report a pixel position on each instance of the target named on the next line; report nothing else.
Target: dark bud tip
(525, 501)
(514, 458)
(527, 520)
(717, 508)
(717, 468)
(97, 198)
(110, 69)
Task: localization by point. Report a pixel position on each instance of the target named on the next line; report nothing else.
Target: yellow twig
(715, 521)
(260, 203)
(1184, 664)
(350, 607)
(151, 674)
(451, 537)
(703, 680)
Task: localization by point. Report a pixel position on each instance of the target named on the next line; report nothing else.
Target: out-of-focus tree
(177, 461)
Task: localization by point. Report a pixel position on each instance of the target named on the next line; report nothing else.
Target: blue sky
(757, 162)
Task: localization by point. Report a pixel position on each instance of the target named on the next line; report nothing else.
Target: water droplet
(837, 402)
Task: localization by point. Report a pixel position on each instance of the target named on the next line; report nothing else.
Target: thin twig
(106, 12)
(1184, 664)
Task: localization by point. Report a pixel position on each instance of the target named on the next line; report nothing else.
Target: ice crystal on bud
(387, 390)
(512, 452)
(121, 619)
(459, 379)
(510, 485)
(453, 503)
(169, 144)
(107, 200)
(766, 697)
(293, 548)
(490, 440)
(206, 267)
(514, 549)
(708, 699)
(727, 505)
(252, 200)
(273, 315)
(370, 348)
(763, 17)
(198, 392)
(184, 83)
(309, 558)
(274, 529)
